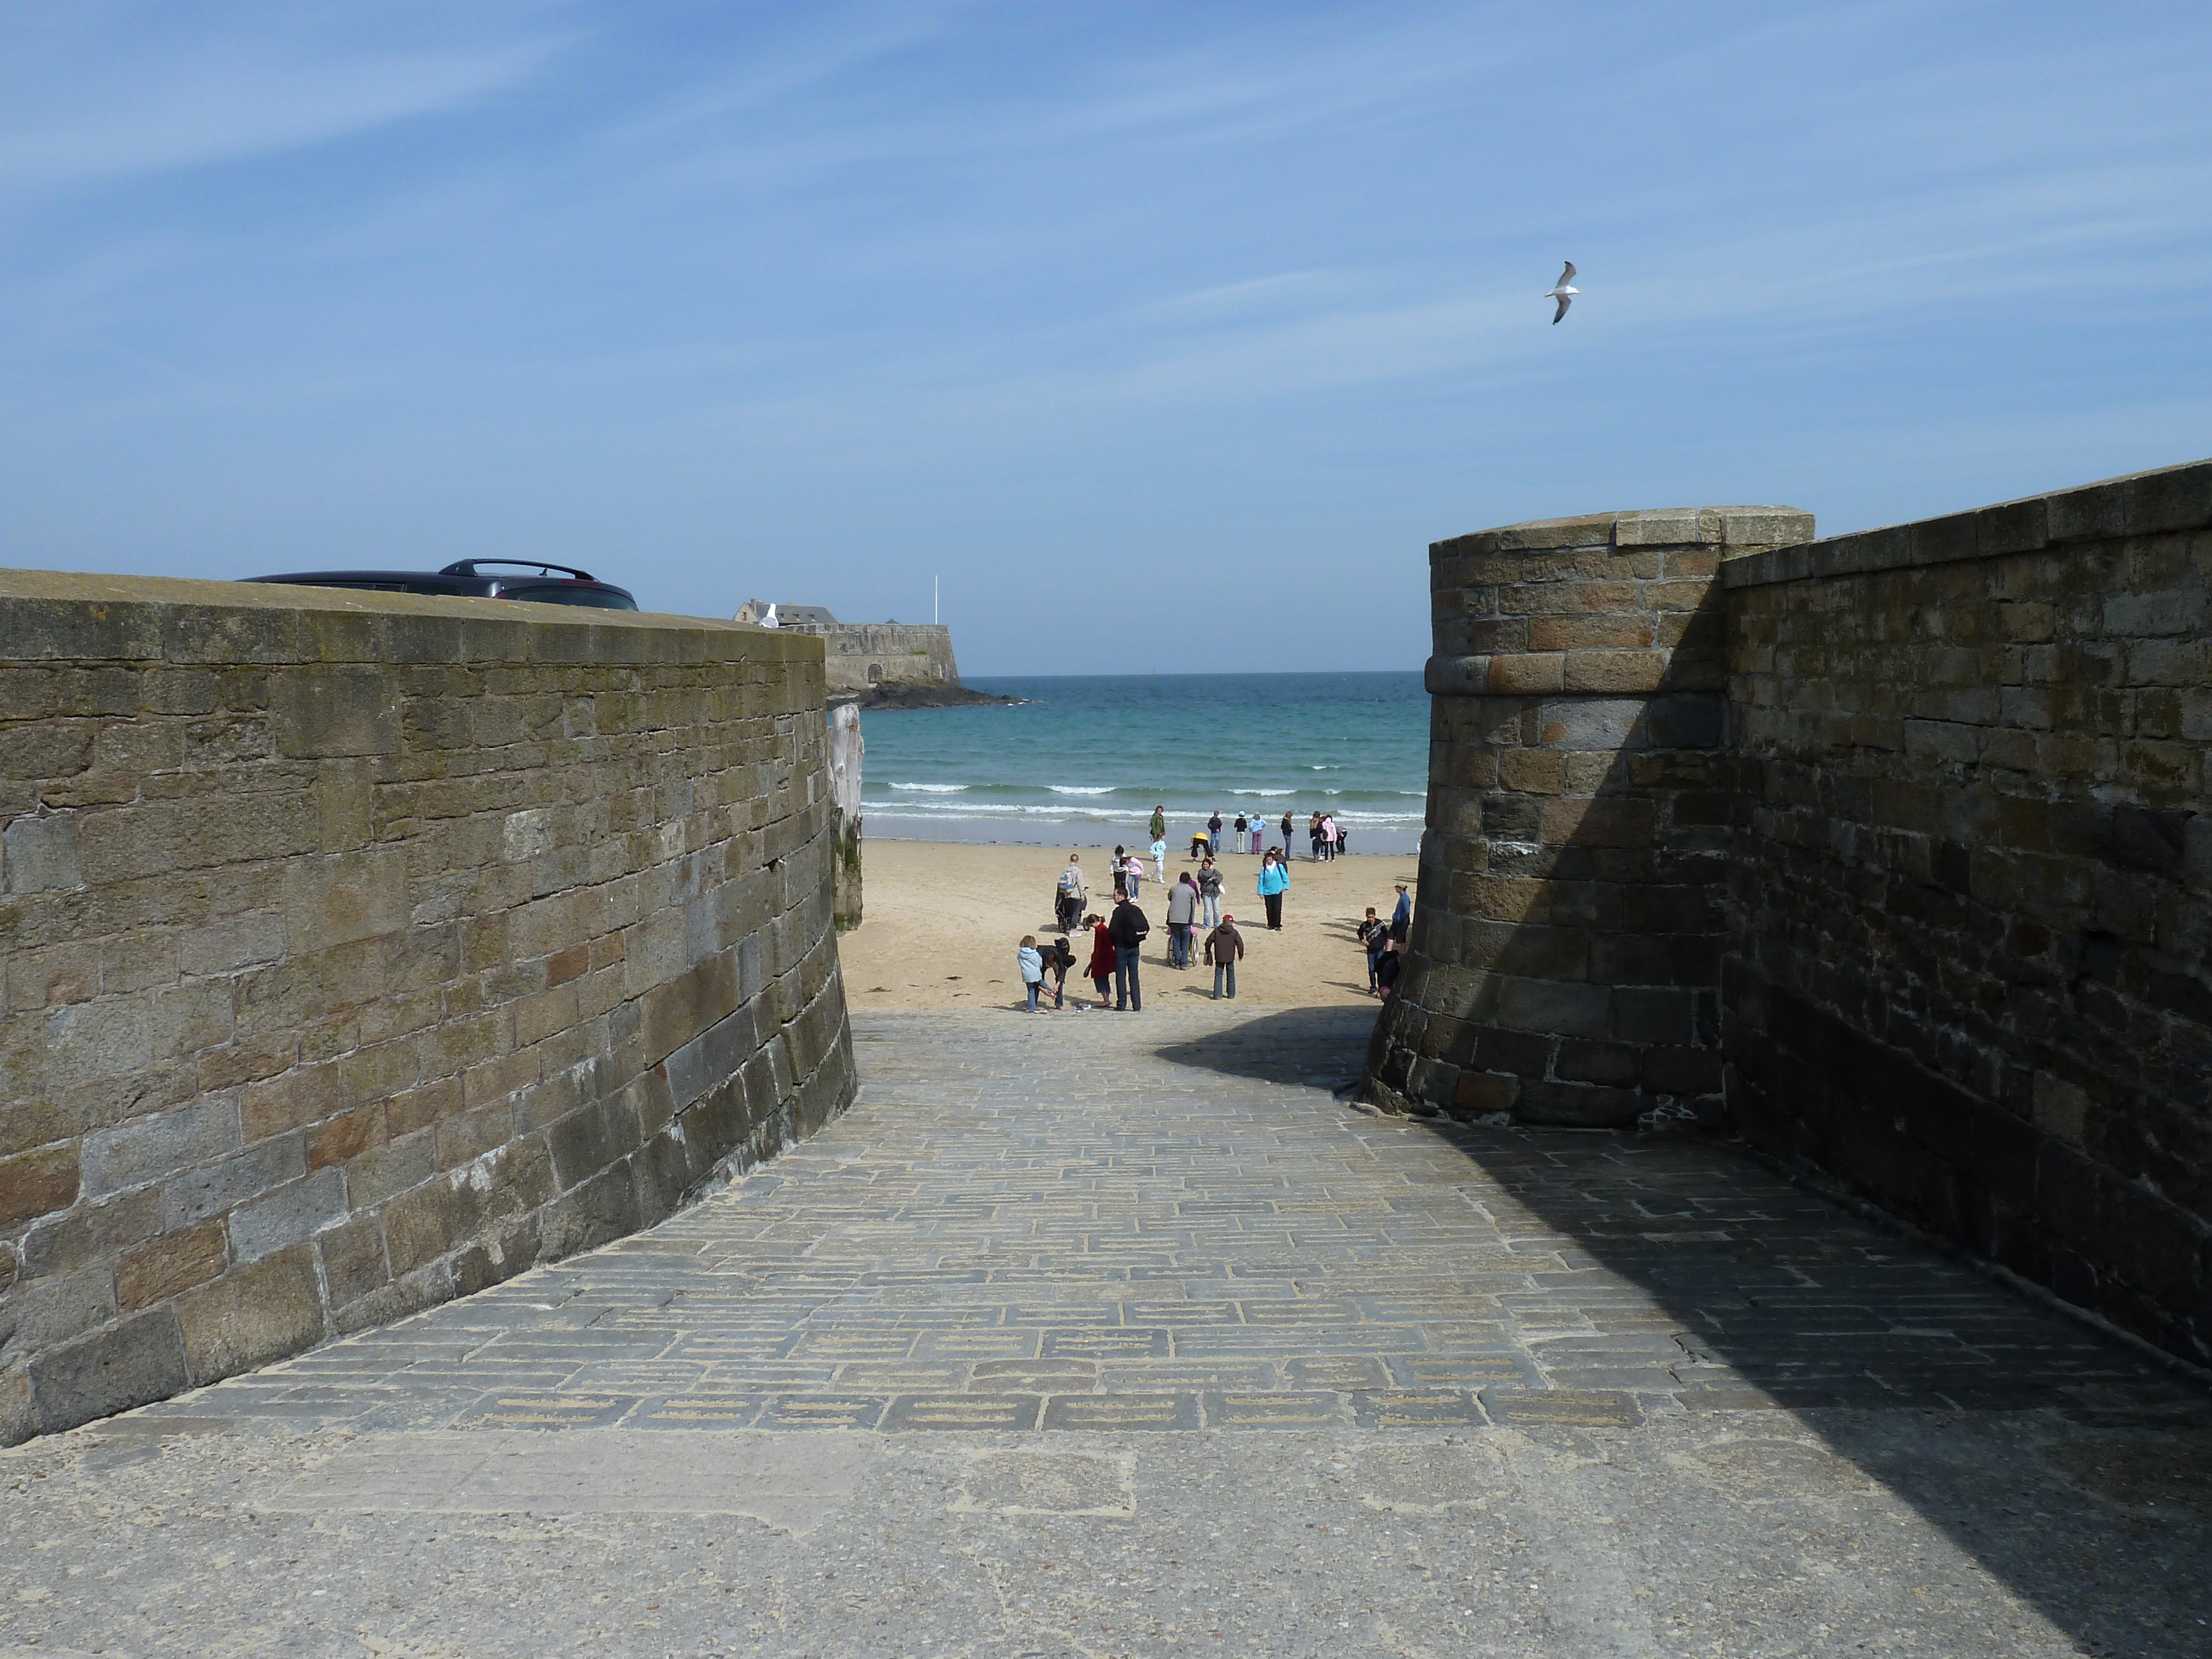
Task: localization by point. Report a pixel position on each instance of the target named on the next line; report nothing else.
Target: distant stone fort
(863, 654)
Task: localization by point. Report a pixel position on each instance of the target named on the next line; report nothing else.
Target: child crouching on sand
(1031, 960)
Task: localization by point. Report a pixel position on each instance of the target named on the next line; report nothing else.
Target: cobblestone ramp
(1099, 1333)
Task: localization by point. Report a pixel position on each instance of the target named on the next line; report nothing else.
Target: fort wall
(363, 950)
(861, 655)
(1970, 961)
(1891, 851)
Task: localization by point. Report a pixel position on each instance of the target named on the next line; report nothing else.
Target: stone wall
(862, 654)
(363, 950)
(1565, 948)
(1921, 901)
(1970, 962)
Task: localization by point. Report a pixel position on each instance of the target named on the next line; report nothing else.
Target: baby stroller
(1066, 908)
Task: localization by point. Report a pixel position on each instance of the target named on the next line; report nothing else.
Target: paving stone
(989, 1296)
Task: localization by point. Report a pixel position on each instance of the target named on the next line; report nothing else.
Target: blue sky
(1167, 335)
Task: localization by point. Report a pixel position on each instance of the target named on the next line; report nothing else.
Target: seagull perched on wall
(767, 618)
(1562, 293)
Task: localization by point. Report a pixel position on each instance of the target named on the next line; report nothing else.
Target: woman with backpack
(1074, 893)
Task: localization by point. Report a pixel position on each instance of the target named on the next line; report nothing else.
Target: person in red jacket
(1102, 959)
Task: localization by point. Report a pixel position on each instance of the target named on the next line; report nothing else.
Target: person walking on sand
(1213, 828)
(1159, 823)
(1074, 892)
(1274, 879)
(1128, 930)
(1182, 914)
(1102, 956)
(1134, 869)
(1222, 946)
(1286, 835)
(1209, 893)
(1313, 836)
(1243, 829)
(1121, 873)
(1328, 835)
(1160, 860)
(1374, 937)
(1401, 919)
(1030, 961)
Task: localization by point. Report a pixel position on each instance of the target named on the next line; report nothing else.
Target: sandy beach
(941, 921)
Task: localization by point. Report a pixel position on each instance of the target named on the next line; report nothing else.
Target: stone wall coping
(59, 616)
(2169, 499)
(1665, 526)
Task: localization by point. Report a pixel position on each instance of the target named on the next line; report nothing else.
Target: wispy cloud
(950, 277)
(102, 91)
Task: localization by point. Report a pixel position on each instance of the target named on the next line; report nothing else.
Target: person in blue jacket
(1275, 876)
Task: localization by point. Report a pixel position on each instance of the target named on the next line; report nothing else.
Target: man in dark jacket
(1222, 946)
(1126, 928)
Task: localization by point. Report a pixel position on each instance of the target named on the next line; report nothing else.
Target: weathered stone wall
(363, 950)
(862, 654)
(1566, 942)
(1973, 891)
(1932, 882)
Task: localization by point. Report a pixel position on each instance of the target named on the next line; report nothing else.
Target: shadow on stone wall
(1565, 952)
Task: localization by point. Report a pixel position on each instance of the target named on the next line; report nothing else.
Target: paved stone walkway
(1102, 1335)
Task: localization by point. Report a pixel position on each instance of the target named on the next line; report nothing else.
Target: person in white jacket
(1030, 961)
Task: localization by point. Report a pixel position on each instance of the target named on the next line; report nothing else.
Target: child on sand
(1030, 961)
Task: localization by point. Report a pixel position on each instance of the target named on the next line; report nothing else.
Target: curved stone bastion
(1565, 964)
(363, 950)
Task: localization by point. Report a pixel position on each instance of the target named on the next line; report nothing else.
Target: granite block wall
(1970, 965)
(1892, 852)
(1566, 937)
(360, 951)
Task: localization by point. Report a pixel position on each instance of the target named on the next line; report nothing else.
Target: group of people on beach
(1193, 905)
(1249, 834)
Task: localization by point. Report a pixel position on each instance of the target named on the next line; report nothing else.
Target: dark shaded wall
(362, 949)
(1971, 899)
(1902, 852)
(1565, 948)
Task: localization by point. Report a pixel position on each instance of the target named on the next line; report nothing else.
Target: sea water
(1082, 761)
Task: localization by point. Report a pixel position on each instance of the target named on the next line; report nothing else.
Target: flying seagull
(1562, 293)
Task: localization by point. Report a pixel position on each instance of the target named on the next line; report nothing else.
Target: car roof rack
(468, 567)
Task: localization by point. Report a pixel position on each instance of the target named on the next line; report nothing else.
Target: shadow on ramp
(1319, 1047)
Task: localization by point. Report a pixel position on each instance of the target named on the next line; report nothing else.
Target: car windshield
(602, 599)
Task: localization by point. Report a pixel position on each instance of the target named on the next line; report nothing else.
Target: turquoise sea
(1082, 761)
